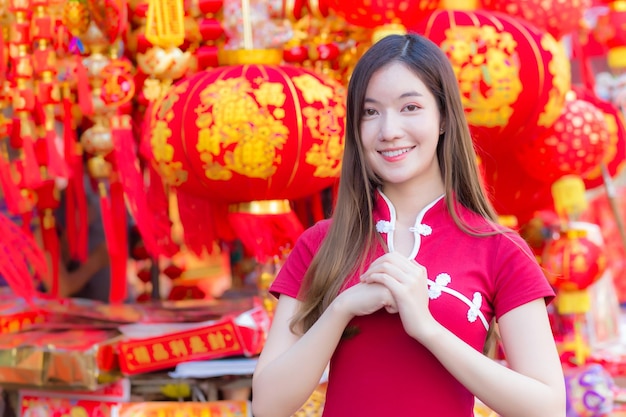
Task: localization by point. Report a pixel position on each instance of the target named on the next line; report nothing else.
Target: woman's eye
(411, 107)
(369, 112)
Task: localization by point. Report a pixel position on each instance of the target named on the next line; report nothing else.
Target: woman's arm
(531, 385)
(291, 366)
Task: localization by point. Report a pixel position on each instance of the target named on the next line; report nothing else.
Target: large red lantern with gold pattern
(573, 261)
(249, 132)
(557, 17)
(373, 13)
(513, 78)
(576, 144)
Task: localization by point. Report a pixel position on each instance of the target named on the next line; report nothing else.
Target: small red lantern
(513, 78)
(557, 17)
(572, 261)
(249, 132)
(576, 144)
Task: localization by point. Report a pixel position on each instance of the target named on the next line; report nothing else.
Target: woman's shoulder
(315, 234)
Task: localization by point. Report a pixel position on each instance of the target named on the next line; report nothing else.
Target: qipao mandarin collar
(385, 219)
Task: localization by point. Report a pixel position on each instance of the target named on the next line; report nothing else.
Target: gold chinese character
(159, 353)
(197, 345)
(141, 354)
(178, 348)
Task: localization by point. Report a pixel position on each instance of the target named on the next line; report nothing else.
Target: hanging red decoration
(249, 132)
(513, 78)
(572, 261)
(614, 159)
(557, 17)
(373, 13)
(575, 144)
(111, 17)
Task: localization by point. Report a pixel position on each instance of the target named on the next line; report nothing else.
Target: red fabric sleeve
(289, 278)
(519, 278)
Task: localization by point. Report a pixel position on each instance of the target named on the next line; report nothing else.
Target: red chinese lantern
(241, 141)
(373, 13)
(513, 78)
(557, 17)
(572, 261)
(610, 30)
(575, 144)
(249, 132)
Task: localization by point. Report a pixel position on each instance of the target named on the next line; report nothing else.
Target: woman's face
(400, 128)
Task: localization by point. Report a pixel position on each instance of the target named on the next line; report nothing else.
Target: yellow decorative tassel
(569, 196)
(165, 23)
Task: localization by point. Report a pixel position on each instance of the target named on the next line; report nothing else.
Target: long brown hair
(352, 237)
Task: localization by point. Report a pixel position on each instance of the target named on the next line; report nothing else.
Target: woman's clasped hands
(406, 282)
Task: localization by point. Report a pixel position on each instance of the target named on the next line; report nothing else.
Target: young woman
(396, 291)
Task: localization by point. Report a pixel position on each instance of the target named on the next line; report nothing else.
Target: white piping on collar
(418, 228)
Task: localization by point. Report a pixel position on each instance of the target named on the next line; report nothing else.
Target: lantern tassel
(266, 228)
(202, 222)
(157, 196)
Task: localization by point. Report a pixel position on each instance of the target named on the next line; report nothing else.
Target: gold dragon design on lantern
(487, 68)
(241, 128)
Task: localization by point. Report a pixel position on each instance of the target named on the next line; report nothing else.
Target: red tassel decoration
(75, 196)
(266, 228)
(119, 255)
(21, 259)
(203, 222)
(131, 179)
(57, 167)
(116, 252)
(12, 195)
(159, 202)
(20, 134)
(84, 90)
(51, 245)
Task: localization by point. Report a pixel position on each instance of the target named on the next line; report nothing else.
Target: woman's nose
(390, 128)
